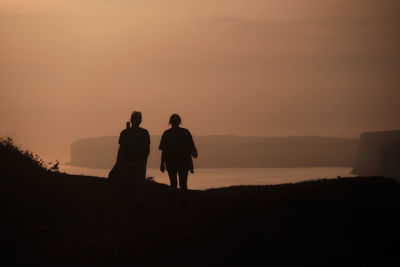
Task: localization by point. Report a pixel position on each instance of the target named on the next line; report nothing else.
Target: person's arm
(162, 148)
(120, 149)
(147, 147)
(194, 153)
(162, 167)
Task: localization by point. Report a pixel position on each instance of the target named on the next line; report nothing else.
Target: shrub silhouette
(15, 161)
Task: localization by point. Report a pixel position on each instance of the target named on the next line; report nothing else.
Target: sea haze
(229, 151)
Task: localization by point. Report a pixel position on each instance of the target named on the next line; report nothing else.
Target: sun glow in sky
(72, 69)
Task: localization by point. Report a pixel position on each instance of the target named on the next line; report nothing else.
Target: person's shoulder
(123, 136)
(184, 130)
(123, 132)
(166, 134)
(143, 130)
(168, 131)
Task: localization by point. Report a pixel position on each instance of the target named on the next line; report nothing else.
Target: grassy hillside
(15, 161)
(54, 219)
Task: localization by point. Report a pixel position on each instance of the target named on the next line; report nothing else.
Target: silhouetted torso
(134, 144)
(177, 143)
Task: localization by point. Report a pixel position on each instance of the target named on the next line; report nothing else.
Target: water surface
(205, 178)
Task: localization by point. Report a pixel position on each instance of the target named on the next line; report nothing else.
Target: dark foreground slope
(63, 220)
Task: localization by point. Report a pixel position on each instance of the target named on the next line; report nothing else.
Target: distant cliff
(228, 151)
(379, 154)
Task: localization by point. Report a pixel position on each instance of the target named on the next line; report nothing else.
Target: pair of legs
(183, 177)
(131, 185)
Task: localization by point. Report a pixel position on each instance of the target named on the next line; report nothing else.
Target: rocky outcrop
(379, 154)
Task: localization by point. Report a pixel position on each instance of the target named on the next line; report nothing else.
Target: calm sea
(222, 177)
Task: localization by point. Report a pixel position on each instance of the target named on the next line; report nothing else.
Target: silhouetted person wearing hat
(129, 172)
(177, 151)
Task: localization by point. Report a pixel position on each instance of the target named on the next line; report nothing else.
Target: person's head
(136, 118)
(175, 120)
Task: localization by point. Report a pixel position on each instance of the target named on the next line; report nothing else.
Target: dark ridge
(55, 219)
(58, 219)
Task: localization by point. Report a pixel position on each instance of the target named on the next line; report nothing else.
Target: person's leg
(123, 187)
(133, 178)
(139, 176)
(173, 178)
(183, 177)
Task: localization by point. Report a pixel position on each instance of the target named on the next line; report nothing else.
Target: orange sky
(77, 68)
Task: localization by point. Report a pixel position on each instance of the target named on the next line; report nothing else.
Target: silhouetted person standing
(119, 155)
(177, 151)
(134, 149)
